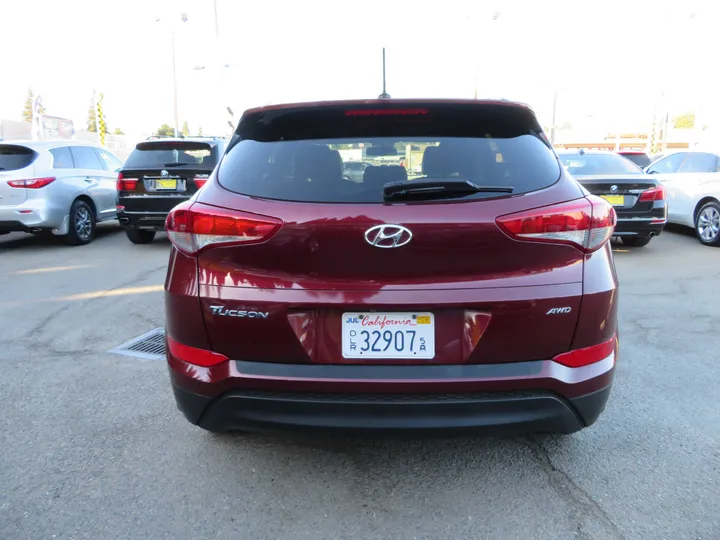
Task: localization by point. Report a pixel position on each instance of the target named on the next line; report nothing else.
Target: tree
(199, 131)
(684, 121)
(92, 117)
(165, 131)
(186, 129)
(28, 108)
(118, 131)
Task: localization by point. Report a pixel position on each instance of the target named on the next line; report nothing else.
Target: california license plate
(166, 184)
(388, 335)
(615, 200)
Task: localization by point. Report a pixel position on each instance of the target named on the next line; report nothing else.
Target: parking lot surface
(92, 446)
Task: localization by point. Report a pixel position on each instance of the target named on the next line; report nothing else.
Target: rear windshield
(316, 156)
(14, 157)
(158, 155)
(598, 164)
(641, 160)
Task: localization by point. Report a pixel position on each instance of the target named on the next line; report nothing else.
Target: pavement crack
(45, 320)
(580, 501)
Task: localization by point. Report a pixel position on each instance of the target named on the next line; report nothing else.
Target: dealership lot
(93, 447)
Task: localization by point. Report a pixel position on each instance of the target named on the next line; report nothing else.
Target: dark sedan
(638, 198)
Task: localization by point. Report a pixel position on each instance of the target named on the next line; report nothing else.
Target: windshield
(167, 154)
(598, 164)
(348, 156)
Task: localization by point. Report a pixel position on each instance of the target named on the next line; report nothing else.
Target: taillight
(192, 355)
(31, 183)
(584, 223)
(588, 355)
(126, 184)
(654, 194)
(200, 181)
(194, 226)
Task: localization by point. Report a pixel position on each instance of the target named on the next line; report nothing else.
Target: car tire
(636, 241)
(707, 224)
(140, 236)
(81, 229)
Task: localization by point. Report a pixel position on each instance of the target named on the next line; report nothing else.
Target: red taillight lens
(126, 184)
(200, 181)
(32, 183)
(588, 355)
(192, 355)
(193, 226)
(654, 194)
(585, 224)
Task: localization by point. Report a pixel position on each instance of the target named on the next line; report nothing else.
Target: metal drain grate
(150, 346)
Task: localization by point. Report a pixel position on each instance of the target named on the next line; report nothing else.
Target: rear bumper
(539, 396)
(513, 412)
(639, 226)
(147, 211)
(651, 223)
(154, 221)
(32, 215)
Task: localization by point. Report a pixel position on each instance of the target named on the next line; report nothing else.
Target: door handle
(88, 179)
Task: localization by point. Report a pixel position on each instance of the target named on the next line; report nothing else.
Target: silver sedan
(59, 187)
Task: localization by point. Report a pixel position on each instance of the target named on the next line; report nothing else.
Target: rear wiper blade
(177, 164)
(437, 188)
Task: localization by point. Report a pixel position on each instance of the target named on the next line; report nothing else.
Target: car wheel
(707, 224)
(82, 224)
(636, 241)
(140, 236)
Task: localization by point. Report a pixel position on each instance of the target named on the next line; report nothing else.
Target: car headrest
(318, 163)
(432, 161)
(378, 176)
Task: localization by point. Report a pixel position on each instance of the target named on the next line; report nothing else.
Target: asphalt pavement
(92, 446)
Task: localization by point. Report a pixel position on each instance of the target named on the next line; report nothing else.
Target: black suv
(157, 176)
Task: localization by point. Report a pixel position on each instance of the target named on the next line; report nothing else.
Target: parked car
(482, 295)
(59, 187)
(638, 198)
(692, 181)
(353, 170)
(158, 175)
(641, 159)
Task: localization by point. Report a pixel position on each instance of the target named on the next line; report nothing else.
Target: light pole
(495, 17)
(184, 18)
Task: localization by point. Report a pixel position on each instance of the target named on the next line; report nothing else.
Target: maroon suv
(471, 286)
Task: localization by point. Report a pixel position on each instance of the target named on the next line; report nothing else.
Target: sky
(609, 62)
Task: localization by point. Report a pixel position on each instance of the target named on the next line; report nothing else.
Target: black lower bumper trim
(16, 226)
(489, 412)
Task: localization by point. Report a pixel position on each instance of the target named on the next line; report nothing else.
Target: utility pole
(175, 90)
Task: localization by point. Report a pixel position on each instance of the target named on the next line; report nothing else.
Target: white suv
(62, 187)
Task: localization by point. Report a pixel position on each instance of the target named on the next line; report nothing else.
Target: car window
(62, 158)
(110, 161)
(588, 164)
(669, 164)
(641, 160)
(86, 158)
(15, 157)
(274, 158)
(161, 154)
(699, 162)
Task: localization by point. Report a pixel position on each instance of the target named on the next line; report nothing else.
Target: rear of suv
(480, 295)
(158, 175)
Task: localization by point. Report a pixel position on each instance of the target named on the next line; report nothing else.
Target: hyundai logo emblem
(163, 172)
(388, 236)
(613, 188)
